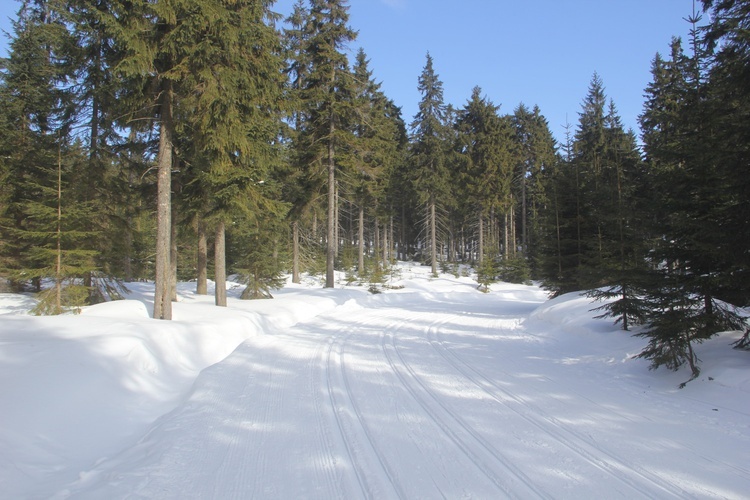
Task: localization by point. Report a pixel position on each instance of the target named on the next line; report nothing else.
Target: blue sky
(539, 52)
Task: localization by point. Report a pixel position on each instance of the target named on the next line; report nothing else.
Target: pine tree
(485, 141)
(327, 99)
(374, 148)
(430, 174)
(536, 157)
(727, 37)
(149, 36)
(35, 110)
(232, 105)
(692, 256)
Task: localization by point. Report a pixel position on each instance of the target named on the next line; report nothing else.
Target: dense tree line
(145, 139)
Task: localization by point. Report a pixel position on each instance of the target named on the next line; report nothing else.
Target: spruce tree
(428, 152)
(327, 99)
(485, 141)
(727, 37)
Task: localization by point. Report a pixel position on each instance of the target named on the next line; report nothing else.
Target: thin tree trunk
(524, 229)
(376, 252)
(202, 286)
(481, 239)
(385, 246)
(331, 236)
(173, 260)
(58, 263)
(220, 266)
(162, 302)
(433, 236)
(336, 228)
(506, 243)
(295, 251)
(361, 242)
(392, 241)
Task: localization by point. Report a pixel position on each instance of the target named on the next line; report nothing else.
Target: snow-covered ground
(433, 390)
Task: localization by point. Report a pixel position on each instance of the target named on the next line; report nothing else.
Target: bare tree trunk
(512, 237)
(481, 239)
(433, 236)
(361, 242)
(220, 265)
(336, 228)
(173, 260)
(524, 221)
(331, 236)
(376, 252)
(506, 241)
(202, 286)
(58, 263)
(392, 241)
(385, 245)
(295, 251)
(162, 296)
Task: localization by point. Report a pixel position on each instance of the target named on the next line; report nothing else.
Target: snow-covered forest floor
(428, 390)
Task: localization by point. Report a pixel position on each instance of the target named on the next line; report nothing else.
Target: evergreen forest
(178, 140)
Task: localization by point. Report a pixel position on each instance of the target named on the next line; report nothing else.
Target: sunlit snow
(431, 389)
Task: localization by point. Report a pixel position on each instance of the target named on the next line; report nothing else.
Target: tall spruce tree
(233, 89)
(374, 148)
(327, 99)
(536, 157)
(485, 141)
(428, 151)
(152, 39)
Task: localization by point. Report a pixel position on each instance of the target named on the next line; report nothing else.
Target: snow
(428, 390)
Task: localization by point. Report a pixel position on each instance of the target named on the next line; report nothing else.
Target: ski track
(344, 405)
(617, 468)
(461, 443)
(398, 413)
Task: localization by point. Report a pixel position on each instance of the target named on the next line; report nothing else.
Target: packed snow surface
(431, 389)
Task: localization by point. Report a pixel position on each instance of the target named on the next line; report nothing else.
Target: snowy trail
(414, 395)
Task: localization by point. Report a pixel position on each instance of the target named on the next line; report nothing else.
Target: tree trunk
(173, 260)
(433, 237)
(295, 252)
(220, 266)
(58, 263)
(336, 228)
(361, 242)
(162, 302)
(524, 229)
(391, 241)
(202, 286)
(481, 239)
(376, 253)
(385, 246)
(331, 236)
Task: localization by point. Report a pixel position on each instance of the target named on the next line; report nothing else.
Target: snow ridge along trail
(434, 391)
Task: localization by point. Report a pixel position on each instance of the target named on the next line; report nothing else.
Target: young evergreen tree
(692, 256)
(35, 109)
(727, 36)
(428, 145)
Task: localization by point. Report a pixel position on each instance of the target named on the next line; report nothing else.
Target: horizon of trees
(149, 139)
